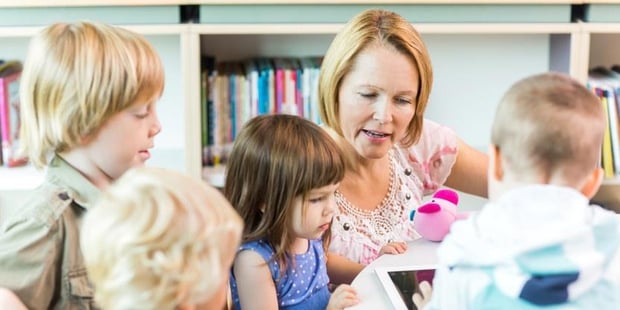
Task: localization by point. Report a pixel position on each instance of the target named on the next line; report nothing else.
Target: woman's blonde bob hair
(158, 239)
(75, 77)
(367, 28)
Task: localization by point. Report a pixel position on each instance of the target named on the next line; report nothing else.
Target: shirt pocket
(81, 292)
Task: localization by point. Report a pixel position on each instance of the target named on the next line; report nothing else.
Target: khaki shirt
(40, 257)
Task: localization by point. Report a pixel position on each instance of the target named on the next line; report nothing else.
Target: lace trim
(381, 221)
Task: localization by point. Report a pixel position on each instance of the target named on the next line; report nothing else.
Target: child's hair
(373, 27)
(76, 76)
(158, 239)
(275, 159)
(550, 124)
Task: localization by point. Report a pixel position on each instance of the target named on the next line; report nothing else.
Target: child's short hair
(159, 239)
(75, 77)
(551, 124)
(275, 159)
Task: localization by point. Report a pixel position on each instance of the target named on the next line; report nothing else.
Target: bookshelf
(478, 49)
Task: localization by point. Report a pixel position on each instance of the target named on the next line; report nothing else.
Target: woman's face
(377, 100)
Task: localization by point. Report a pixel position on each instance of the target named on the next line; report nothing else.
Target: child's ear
(593, 183)
(496, 171)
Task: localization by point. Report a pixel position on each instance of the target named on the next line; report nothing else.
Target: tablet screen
(401, 282)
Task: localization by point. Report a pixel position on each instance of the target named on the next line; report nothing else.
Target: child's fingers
(394, 248)
(344, 288)
(418, 301)
(422, 298)
(426, 290)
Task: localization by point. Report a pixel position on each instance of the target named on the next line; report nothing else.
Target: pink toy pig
(433, 219)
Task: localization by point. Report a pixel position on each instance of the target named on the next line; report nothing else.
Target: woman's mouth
(374, 134)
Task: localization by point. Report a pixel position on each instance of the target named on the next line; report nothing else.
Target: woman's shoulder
(432, 157)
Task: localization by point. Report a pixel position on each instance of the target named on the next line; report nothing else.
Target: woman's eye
(404, 100)
(142, 115)
(368, 95)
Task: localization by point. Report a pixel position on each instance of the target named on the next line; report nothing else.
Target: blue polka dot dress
(303, 286)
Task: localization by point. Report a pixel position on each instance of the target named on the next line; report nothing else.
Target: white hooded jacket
(537, 246)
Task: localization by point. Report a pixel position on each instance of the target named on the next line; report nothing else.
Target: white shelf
(215, 176)
(20, 178)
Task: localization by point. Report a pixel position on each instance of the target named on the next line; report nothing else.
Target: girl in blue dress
(282, 174)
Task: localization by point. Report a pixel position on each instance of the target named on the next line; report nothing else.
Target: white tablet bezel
(389, 287)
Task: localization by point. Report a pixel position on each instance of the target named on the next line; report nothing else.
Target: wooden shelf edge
(238, 2)
(75, 3)
(439, 28)
(20, 178)
(28, 31)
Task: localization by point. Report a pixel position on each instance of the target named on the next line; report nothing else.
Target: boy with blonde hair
(158, 239)
(538, 242)
(88, 94)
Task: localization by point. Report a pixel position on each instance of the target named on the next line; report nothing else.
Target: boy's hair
(75, 77)
(380, 28)
(275, 159)
(158, 239)
(550, 124)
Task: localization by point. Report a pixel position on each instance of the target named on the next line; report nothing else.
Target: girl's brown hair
(274, 160)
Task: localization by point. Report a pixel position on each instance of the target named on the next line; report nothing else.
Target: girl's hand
(393, 248)
(343, 296)
(421, 299)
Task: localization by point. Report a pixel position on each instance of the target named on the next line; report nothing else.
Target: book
(10, 73)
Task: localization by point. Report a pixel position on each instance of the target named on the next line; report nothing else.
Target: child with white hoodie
(538, 242)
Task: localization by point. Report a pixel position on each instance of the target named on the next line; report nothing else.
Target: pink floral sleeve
(434, 155)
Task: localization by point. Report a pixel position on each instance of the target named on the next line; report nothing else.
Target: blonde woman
(88, 95)
(374, 86)
(158, 239)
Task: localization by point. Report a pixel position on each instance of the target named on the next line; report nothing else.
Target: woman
(374, 84)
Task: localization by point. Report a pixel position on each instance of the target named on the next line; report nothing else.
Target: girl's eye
(316, 199)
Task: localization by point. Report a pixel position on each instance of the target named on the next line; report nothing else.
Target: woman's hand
(393, 248)
(421, 299)
(344, 296)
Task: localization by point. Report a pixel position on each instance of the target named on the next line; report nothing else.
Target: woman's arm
(342, 270)
(255, 286)
(469, 173)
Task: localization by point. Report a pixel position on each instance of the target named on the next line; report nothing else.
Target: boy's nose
(156, 128)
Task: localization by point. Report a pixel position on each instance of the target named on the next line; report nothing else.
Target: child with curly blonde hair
(158, 239)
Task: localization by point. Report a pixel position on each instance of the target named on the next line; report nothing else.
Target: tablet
(401, 282)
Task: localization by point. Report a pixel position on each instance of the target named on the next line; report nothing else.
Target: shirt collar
(77, 186)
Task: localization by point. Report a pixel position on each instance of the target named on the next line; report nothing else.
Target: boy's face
(124, 140)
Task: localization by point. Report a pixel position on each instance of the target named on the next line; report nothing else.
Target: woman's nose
(383, 112)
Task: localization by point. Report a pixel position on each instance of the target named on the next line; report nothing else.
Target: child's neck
(80, 162)
(300, 246)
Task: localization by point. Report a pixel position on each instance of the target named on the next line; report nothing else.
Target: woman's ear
(496, 171)
(593, 183)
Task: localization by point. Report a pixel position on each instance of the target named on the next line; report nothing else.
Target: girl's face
(377, 100)
(320, 206)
